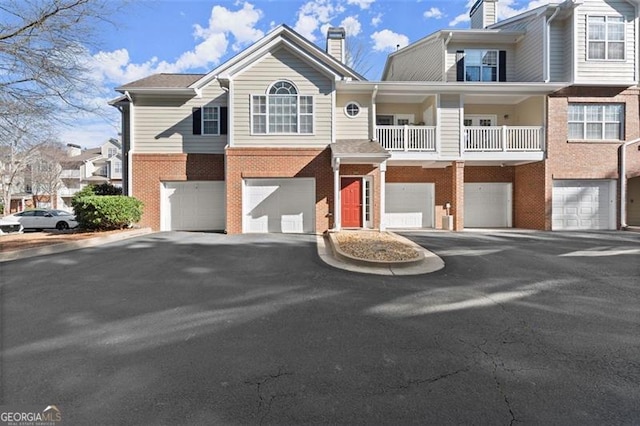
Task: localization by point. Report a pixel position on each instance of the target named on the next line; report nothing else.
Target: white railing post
(405, 137)
(504, 138)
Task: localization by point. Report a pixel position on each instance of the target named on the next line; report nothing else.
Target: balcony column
(337, 203)
(457, 194)
(383, 206)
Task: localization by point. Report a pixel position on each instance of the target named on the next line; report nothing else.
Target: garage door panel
(487, 205)
(409, 205)
(583, 204)
(284, 205)
(193, 206)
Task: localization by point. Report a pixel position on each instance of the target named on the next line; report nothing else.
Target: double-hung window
(605, 37)
(596, 121)
(210, 120)
(282, 110)
(481, 65)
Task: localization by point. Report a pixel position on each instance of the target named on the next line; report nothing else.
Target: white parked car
(45, 219)
(9, 226)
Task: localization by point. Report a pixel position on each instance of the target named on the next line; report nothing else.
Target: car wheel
(61, 226)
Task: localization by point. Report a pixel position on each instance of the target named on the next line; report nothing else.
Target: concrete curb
(429, 262)
(72, 245)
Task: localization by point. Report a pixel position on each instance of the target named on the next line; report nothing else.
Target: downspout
(547, 46)
(374, 132)
(131, 141)
(623, 182)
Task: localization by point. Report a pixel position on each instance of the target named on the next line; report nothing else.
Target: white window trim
(584, 123)
(606, 40)
(266, 96)
(202, 120)
(482, 66)
(345, 109)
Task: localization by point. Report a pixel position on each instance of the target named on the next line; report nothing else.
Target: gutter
(623, 182)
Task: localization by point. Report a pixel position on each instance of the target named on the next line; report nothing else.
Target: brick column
(457, 192)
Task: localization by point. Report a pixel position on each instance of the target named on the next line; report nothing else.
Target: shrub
(106, 212)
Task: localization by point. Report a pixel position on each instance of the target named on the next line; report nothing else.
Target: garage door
(279, 205)
(409, 205)
(487, 205)
(583, 204)
(193, 206)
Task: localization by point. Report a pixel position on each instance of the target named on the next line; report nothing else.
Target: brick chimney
(483, 13)
(336, 43)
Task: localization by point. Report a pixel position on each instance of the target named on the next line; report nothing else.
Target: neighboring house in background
(520, 123)
(98, 165)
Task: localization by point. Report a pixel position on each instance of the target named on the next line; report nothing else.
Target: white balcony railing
(503, 138)
(407, 138)
(70, 174)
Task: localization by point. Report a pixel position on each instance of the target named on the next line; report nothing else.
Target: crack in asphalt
(499, 386)
(264, 404)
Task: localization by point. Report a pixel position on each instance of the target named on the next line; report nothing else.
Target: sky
(195, 36)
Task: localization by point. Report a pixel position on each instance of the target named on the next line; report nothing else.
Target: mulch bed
(13, 242)
(374, 245)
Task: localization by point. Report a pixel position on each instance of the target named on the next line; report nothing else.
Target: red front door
(351, 194)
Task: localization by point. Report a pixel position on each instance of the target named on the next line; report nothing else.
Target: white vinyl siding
(529, 53)
(282, 64)
(449, 112)
(599, 70)
(165, 125)
(423, 62)
(561, 40)
(356, 127)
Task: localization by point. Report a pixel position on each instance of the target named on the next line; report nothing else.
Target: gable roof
(162, 81)
(281, 35)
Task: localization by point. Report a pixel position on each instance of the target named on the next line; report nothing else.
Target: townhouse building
(530, 122)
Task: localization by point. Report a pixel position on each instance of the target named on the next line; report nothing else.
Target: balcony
(70, 174)
(407, 138)
(504, 139)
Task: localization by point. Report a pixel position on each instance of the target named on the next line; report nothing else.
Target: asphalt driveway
(194, 328)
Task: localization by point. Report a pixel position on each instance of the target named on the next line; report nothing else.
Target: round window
(352, 109)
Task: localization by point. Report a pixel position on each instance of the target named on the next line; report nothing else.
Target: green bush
(102, 189)
(106, 212)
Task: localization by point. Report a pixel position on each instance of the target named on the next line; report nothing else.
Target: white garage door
(279, 205)
(487, 205)
(193, 206)
(583, 204)
(409, 205)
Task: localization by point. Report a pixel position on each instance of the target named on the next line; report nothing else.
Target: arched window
(282, 110)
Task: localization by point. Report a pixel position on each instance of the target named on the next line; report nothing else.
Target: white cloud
(211, 45)
(459, 19)
(376, 20)
(506, 9)
(388, 41)
(351, 25)
(362, 4)
(315, 14)
(434, 12)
